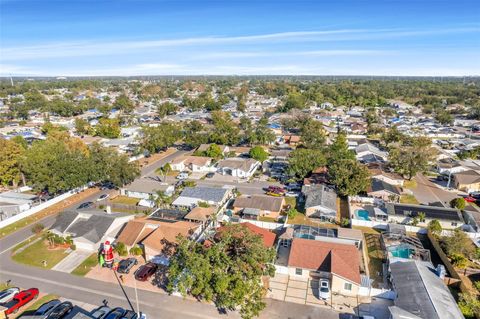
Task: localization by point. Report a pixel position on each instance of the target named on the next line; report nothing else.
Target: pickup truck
(18, 301)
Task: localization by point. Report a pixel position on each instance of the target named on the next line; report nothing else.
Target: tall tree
(157, 138)
(225, 131)
(109, 128)
(338, 150)
(313, 135)
(10, 159)
(303, 161)
(349, 176)
(228, 272)
(124, 103)
(258, 153)
(412, 156)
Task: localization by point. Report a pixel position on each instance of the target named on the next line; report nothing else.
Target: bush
(38, 228)
(345, 222)
(121, 249)
(73, 247)
(189, 184)
(435, 227)
(292, 212)
(458, 203)
(469, 305)
(203, 204)
(459, 261)
(136, 251)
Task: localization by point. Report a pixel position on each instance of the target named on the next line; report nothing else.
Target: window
(454, 224)
(298, 271)
(347, 286)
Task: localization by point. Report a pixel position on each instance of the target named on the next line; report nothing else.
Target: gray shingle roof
(431, 212)
(63, 220)
(212, 194)
(320, 195)
(379, 185)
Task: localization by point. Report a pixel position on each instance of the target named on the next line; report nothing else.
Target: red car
(470, 199)
(275, 189)
(19, 300)
(145, 271)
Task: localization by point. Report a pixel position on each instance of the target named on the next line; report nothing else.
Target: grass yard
(367, 230)
(301, 219)
(34, 306)
(267, 219)
(375, 257)
(86, 265)
(408, 199)
(125, 200)
(36, 253)
(410, 184)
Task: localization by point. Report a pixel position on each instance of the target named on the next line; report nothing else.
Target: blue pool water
(362, 214)
(400, 251)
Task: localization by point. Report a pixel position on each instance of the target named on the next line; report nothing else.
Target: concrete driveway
(72, 261)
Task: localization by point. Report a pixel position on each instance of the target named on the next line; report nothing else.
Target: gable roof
(467, 177)
(339, 259)
(213, 194)
(195, 160)
(370, 148)
(379, 172)
(421, 292)
(146, 185)
(244, 164)
(131, 232)
(378, 185)
(167, 233)
(262, 202)
(320, 195)
(200, 213)
(268, 237)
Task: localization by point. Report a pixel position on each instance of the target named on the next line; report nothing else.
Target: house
(367, 153)
(449, 218)
(383, 190)
(267, 236)
(191, 196)
(388, 177)
(292, 140)
(238, 167)
(255, 206)
(420, 292)
(146, 188)
(467, 181)
(320, 202)
(202, 215)
(192, 163)
(340, 263)
(160, 244)
(13, 203)
(89, 228)
(204, 147)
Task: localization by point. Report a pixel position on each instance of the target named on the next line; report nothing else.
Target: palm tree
(164, 170)
(162, 200)
(421, 217)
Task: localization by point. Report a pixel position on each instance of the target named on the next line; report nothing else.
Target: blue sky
(336, 37)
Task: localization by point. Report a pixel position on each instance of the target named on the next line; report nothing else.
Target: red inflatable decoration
(108, 254)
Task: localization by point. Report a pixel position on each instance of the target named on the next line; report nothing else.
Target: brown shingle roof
(200, 213)
(467, 177)
(167, 233)
(262, 202)
(340, 259)
(131, 232)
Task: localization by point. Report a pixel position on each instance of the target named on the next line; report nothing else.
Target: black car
(60, 310)
(116, 313)
(210, 175)
(126, 264)
(85, 205)
(46, 307)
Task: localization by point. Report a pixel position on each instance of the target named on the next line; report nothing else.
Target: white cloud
(99, 48)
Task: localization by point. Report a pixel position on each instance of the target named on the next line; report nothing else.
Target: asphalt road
(150, 169)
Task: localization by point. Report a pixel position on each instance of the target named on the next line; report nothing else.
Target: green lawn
(125, 200)
(86, 265)
(24, 243)
(36, 253)
(301, 219)
(408, 199)
(267, 219)
(37, 304)
(410, 184)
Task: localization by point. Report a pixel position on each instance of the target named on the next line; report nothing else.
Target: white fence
(266, 225)
(38, 208)
(383, 225)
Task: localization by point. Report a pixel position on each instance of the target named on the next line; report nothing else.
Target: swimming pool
(401, 251)
(362, 214)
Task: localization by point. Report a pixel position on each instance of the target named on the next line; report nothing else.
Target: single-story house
(191, 196)
(388, 177)
(267, 236)
(259, 205)
(238, 167)
(320, 201)
(381, 189)
(145, 188)
(12, 203)
(420, 292)
(366, 151)
(449, 218)
(467, 181)
(340, 263)
(89, 229)
(192, 163)
(202, 215)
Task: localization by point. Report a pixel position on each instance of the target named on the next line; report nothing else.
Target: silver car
(7, 294)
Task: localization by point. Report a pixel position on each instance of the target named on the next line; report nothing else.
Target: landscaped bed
(375, 257)
(40, 255)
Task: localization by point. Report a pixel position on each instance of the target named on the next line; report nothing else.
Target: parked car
(126, 264)
(324, 289)
(85, 205)
(102, 197)
(8, 294)
(46, 307)
(60, 310)
(145, 271)
(19, 300)
(100, 312)
(182, 176)
(116, 313)
(294, 186)
(275, 193)
(210, 175)
(470, 199)
(107, 185)
(475, 195)
(276, 189)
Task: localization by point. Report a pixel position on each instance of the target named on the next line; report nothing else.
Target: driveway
(72, 261)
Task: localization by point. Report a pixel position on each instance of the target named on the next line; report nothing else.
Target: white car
(182, 176)
(324, 289)
(102, 197)
(7, 294)
(292, 194)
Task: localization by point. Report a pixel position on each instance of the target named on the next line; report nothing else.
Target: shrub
(136, 251)
(435, 227)
(458, 203)
(292, 212)
(121, 249)
(459, 261)
(38, 228)
(203, 204)
(345, 222)
(73, 247)
(469, 305)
